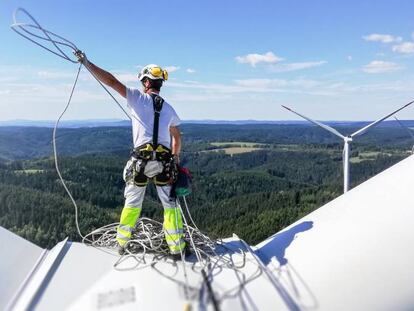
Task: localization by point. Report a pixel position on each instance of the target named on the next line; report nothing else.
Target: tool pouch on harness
(182, 186)
(153, 168)
(133, 172)
(129, 170)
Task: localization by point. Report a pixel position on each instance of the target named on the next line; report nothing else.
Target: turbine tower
(410, 132)
(347, 139)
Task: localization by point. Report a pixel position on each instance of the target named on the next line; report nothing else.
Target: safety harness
(153, 157)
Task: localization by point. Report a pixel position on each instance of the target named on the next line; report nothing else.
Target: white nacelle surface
(354, 253)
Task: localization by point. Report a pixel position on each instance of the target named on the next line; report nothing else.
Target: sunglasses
(156, 72)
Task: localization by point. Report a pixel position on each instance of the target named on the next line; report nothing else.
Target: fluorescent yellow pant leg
(127, 222)
(173, 229)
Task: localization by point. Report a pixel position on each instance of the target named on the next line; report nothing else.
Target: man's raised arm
(102, 75)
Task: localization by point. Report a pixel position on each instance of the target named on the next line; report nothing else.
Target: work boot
(121, 250)
(186, 252)
(175, 257)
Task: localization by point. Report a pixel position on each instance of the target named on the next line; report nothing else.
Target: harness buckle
(154, 155)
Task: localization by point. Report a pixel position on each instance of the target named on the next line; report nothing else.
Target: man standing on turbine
(157, 145)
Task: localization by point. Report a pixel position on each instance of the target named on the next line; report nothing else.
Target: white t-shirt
(142, 111)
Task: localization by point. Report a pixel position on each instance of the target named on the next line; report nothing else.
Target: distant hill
(31, 142)
(126, 123)
(66, 124)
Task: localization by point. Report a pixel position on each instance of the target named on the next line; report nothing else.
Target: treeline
(253, 194)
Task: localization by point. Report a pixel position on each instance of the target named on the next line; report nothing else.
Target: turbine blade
(406, 128)
(324, 126)
(364, 129)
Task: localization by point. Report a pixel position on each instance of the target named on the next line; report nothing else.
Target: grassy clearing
(238, 150)
(234, 150)
(368, 156)
(357, 160)
(29, 171)
(244, 147)
(237, 144)
(236, 147)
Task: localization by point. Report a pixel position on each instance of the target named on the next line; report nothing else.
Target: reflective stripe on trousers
(127, 222)
(173, 229)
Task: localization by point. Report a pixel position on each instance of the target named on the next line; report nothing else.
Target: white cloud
(190, 70)
(296, 66)
(5, 92)
(64, 75)
(274, 60)
(171, 68)
(382, 38)
(379, 66)
(263, 86)
(126, 77)
(288, 86)
(404, 48)
(254, 59)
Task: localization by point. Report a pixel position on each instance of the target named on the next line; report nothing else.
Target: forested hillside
(249, 179)
(34, 142)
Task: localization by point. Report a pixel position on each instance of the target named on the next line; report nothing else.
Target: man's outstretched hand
(81, 57)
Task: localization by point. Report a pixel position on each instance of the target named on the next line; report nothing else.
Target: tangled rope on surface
(147, 237)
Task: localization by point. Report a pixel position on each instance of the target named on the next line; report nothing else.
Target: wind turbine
(408, 130)
(347, 139)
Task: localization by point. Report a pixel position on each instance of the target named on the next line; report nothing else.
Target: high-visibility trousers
(173, 224)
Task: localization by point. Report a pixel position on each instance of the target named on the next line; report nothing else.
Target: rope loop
(27, 30)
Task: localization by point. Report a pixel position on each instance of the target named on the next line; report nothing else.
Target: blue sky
(330, 60)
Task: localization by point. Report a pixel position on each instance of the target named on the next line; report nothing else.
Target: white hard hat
(153, 72)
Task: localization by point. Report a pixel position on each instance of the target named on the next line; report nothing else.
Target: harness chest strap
(157, 102)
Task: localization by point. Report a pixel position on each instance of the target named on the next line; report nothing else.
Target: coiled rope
(58, 42)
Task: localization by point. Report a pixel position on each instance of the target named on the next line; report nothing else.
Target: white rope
(186, 288)
(110, 94)
(20, 28)
(188, 212)
(55, 156)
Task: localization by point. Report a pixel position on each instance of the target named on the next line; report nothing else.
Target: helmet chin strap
(146, 88)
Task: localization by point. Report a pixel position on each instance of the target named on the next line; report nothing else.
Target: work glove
(171, 169)
(81, 56)
(176, 158)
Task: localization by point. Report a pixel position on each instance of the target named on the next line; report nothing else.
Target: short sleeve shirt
(142, 111)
